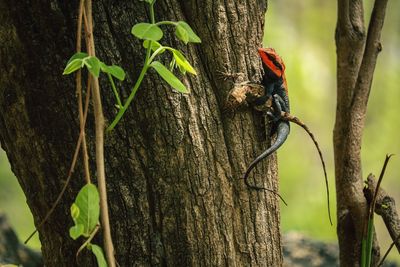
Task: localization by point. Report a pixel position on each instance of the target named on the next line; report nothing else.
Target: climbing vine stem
(91, 204)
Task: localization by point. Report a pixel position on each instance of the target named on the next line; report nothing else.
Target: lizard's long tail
(282, 133)
(297, 121)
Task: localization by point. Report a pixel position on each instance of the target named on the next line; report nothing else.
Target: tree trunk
(173, 163)
(357, 52)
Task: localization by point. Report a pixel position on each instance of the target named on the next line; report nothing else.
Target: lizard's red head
(272, 61)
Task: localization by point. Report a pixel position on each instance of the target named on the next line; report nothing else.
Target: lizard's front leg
(278, 107)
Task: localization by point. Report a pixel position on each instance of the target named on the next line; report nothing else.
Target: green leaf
(147, 31)
(193, 38)
(114, 70)
(98, 252)
(182, 62)
(79, 55)
(74, 212)
(363, 252)
(172, 64)
(73, 66)
(182, 34)
(76, 231)
(169, 77)
(75, 63)
(154, 44)
(88, 204)
(93, 65)
(370, 239)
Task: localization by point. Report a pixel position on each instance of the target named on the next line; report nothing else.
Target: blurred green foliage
(13, 203)
(302, 32)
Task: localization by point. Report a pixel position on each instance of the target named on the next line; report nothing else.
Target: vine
(90, 204)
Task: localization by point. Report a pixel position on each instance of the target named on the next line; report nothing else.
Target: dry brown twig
(386, 208)
(99, 132)
(82, 122)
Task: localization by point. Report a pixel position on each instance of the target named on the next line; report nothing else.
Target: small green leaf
(88, 203)
(74, 212)
(75, 63)
(73, 66)
(98, 252)
(172, 64)
(114, 70)
(182, 34)
(169, 77)
(79, 55)
(182, 62)
(147, 31)
(182, 70)
(193, 38)
(154, 44)
(76, 231)
(93, 65)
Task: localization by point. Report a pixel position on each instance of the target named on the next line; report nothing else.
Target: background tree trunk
(357, 52)
(173, 164)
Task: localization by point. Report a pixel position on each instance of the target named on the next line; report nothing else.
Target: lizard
(276, 98)
(275, 88)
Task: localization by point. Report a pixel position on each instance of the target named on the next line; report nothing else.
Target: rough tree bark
(357, 51)
(173, 163)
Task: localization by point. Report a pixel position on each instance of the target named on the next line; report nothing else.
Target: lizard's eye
(273, 60)
(270, 57)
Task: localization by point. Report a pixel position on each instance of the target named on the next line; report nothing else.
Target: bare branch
(386, 208)
(372, 48)
(343, 14)
(351, 19)
(79, 93)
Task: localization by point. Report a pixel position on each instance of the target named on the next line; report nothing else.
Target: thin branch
(343, 14)
(372, 209)
(372, 48)
(99, 129)
(79, 93)
(397, 240)
(87, 241)
(71, 169)
(369, 221)
(386, 208)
